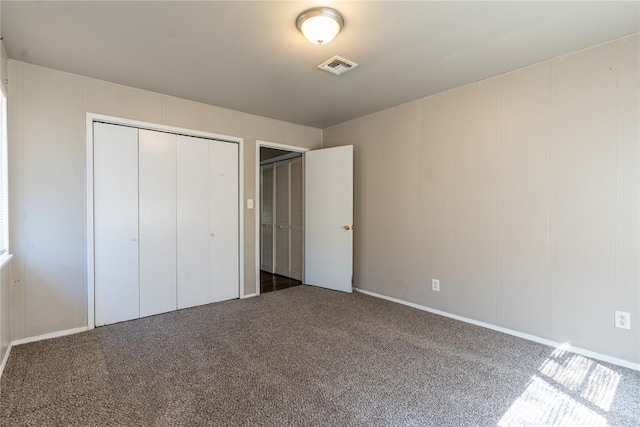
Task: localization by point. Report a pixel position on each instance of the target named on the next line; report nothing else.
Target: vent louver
(337, 65)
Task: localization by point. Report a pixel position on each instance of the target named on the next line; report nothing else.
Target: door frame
(93, 117)
(260, 143)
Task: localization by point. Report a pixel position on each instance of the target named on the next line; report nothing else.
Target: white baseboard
(568, 347)
(248, 296)
(4, 359)
(50, 335)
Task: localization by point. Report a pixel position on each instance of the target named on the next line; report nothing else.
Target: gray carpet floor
(307, 356)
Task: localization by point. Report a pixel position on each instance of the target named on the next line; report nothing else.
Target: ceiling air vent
(337, 65)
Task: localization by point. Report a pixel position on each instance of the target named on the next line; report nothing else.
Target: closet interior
(281, 219)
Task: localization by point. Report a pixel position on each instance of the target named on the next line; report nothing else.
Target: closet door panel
(266, 255)
(115, 223)
(157, 198)
(281, 234)
(266, 218)
(296, 219)
(193, 221)
(223, 221)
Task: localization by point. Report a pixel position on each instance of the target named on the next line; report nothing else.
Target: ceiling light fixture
(320, 24)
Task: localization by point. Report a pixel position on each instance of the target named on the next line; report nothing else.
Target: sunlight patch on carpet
(547, 400)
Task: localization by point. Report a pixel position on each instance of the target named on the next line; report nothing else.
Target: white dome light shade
(320, 29)
(320, 25)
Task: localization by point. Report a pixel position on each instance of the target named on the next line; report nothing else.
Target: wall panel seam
(551, 199)
(210, 225)
(289, 217)
(138, 230)
(637, 106)
(618, 201)
(81, 204)
(498, 203)
(21, 269)
(393, 211)
(421, 235)
(456, 149)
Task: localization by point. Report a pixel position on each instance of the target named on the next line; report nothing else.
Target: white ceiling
(248, 56)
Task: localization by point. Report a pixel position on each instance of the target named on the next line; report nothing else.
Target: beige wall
(520, 193)
(48, 185)
(5, 314)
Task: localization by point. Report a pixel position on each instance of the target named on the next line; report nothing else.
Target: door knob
(347, 227)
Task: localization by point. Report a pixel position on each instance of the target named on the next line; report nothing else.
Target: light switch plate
(249, 203)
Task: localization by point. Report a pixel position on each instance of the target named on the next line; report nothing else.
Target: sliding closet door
(266, 218)
(223, 221)
(281, 234)
(115, 166)
(157, 175)
(193, 221)
(296, 202)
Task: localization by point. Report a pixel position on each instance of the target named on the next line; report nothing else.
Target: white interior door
(115, 168)
(224, 275)
(157, 176)
(328, 212)
(193, 221)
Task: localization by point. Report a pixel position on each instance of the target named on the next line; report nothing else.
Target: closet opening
(280, 209)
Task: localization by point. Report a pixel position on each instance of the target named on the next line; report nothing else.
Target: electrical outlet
(623, 320)
(435, 285)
